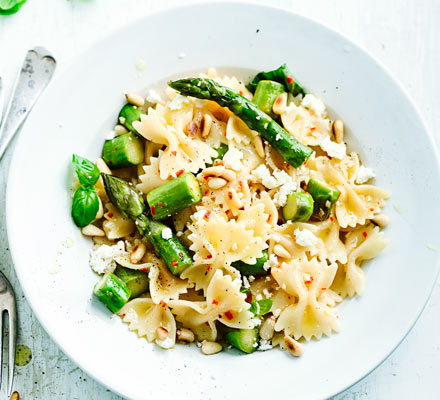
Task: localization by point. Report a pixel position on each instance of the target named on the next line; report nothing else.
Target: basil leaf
(10, 6)
(88, 173)
(85, 206)
(264, 306)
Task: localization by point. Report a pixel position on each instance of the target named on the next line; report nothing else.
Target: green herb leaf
(10, 6)
(260, 307)
(85, 206)
(264, 306)
(88, 173)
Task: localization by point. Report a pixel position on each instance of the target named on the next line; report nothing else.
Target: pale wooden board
(403, 34)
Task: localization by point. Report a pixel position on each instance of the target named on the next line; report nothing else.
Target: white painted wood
(403, 34)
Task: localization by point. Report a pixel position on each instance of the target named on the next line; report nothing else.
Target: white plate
(78, 110)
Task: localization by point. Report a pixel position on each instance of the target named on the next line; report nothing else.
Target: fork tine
(12, 341)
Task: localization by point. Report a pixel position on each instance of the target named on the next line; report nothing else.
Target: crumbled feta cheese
(283, 286)
(102, 256)
(282, 177)
(280, 197)
(258, 117)
(273, 260)
(153, 96)
(179, 233)
(258, 297)
(314, 104)
(256, 321)
(251, 278)
(278, 137)
(305, 237)
(266, 125)
(232, 159)
(279, 179)
(177, 102)
(262, 174)
(246, 282)
(234, 247)
(267, 293)
(165, 344)
(265, 345)
(333, 149)
(167, 233)
(364, 174)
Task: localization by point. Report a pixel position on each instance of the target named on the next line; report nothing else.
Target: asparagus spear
(243, 339)
(112, 291)
(131, 204)
(287, 146)
(136, 281)
(266, 94)
(299, 207)
(324, 198)
(281, 75)
(123, 151)
(128, 115)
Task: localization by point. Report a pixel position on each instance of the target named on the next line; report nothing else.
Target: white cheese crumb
(265, 345)
(333, 149)
(364, 175)
(256, 321)
(232, 159)
(199, 344)
(246, 282)
(305, 237)
(234, 247)
(262, 174)
(102, 256)
(278, 137)
(267, 293)
(251, 278)
(179, 233)
(177, 102)
(283, 286)
(282, 177)
(167, 233)
(266, 125)
(314, 104)
(140, 65)
(258, 117)
(273, 260)
(258, 297)
(153, 96)
(165, 344)
(280, 197)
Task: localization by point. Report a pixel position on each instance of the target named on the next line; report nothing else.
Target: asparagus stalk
(128, 115)
(131, 204)
(123, 151)
(174, 196)
(243, 339)
(252, 269)
(324, 198)
(281, 75)
(112, 291)
(292, 151)
(266, 94)
(299, 207)
(137, 281)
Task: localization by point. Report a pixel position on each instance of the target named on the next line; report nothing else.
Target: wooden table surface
(403, 34)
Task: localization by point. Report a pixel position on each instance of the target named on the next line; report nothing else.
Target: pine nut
(137, 253)
(216, 183)
(218, 162)
(221, 114)
(280, 251)
(15, 396)
(229, 175)
(214, 171)
(209, 348)
(92, 230)
(102, 166)
(135, 99)
(191, 129)
(258, 144)
(234, 199)
(338, 130)
(381, 220)
(185, 335)
(205, 125)
(280, 104)
(120, 130)
(268, 328)
(294, 348)
(161, 334)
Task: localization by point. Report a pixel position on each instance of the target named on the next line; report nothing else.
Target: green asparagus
(131, 204)
(281, 75)
(112, 291)
(252, 269)
(324, 198)
(292, 151)
(128, 115)
(174, 196)
(245, 340)
(123, 151)
(299, 207)
(136, 281)
(266, 94)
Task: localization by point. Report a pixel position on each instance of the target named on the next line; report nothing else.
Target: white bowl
(78, 110)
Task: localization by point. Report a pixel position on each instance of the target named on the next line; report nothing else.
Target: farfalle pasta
(233, 213)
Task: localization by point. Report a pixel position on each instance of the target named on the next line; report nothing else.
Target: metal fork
(36, 72)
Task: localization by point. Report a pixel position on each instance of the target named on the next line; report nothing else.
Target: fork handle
(36, 72)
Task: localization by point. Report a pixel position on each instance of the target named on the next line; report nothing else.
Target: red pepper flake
(206, 192)
(312, 128)
(279, 99)
(209, 256)
(123, 315)
(215, 302)
(364, 234)
(241, 92)
(144, 269)
(209, 268)
(278, 266)
(174, 263)
(116, 148)
(206, 177)
(110, 162)
(180, 172)
(225, 133)
(206, 323)
(371, 209)
(323, 288)
(153, 210)
(228, 211)
(229, 315)
(158, 171)
(269, 217)
(162, 303)
(309, 280)
(249, 298)
(110, 215)
(174, 153)
(207, 214)
(332, 219)
(289, 79)
(160, 204)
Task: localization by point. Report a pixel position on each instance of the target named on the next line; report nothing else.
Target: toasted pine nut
(280, 251)
(191, 129)
(229, 175)
(120, 130)
(214, 171)
(92, 230)
(209, 348)
(216, 183)
(221, 114)
(234, 199)
(205, 125)
(294, 348)
(135, 99)
(103, 167)
(161, 333)
(268, 328)
(218, 162)
(280, 104)
(381, 220)
(185, 335)
(137, 253)
(338, 130)
(15, 396)
(258, 144)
